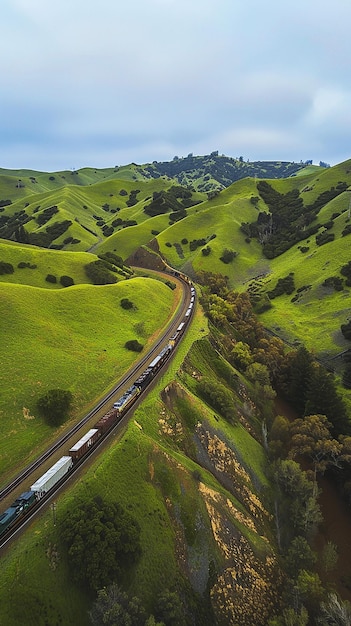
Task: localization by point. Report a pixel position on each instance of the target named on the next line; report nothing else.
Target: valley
(201, 465)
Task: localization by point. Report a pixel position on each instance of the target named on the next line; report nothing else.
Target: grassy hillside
(192, 518)
(70, 339)
(195, 482)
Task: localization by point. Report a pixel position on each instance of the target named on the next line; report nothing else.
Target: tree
(297, 508)
(54, 406)
(169, 608)
(334, 612)
(103, 541)
(113, 607)
(299, 556)
(241, 355)
(279, 437)
(311, 438)
(311, 590)
(290, 617)
(329, 556)
(134, 345)
(299, 374)
(322, 397)
(66, 281)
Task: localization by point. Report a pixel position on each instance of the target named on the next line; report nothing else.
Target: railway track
(22, 479)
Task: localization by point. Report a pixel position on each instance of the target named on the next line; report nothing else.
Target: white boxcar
(52, 476)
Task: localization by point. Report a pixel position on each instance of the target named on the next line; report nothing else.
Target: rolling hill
(191, 471)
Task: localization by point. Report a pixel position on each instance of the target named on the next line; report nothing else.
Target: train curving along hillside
(56, 474)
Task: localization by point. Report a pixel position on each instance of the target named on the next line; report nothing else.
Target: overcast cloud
(107, 82)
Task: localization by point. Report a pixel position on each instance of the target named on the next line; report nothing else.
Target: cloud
(153, 78)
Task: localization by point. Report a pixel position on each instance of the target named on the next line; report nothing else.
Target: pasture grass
(40, 353)
(152, 478)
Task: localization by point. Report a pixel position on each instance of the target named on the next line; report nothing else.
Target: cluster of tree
(324, 237)
(346, 271)
(284, 285)
(102, 540)
(346, 330)
(26, 264)
(218, 396)
(46, 215)
(297, 514)
(320, 437)
(119, 223)
(65, 281)
(99, 273)
(228, 256)
(346, 231)
(310, 389)
(113, 606)
(4, 203)
(221, 169)
(175, 200)
(288, 221)
(11, 224)
(334, 282)
(54, 406)
(132, 200)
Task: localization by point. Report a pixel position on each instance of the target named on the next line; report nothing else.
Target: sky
(109, 82)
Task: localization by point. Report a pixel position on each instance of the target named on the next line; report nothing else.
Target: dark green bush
(54, 406)
(51, 278)
(6, 268)
(228, 256)
(134, 345)
(126, 304)
(284, 285)
(324, 237)
(99, 274)
(66, 281)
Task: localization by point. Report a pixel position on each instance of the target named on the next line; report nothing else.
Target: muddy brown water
(336, 525)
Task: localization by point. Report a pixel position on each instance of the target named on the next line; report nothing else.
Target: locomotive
(52, 476)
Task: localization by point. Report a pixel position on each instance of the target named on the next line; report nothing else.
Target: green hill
(62, 338)
(191, 465)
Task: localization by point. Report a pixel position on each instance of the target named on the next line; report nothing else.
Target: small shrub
(126, 304)
(54, 406)
(168, 244)
(134, 345)
(6, 268)
(184, 241)
(206, 251)
(324, 237)
(155, 232)
(66, 281)
(335, 282)
(228, 256)
(51, 278)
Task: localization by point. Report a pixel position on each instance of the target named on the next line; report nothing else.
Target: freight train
(47, 481)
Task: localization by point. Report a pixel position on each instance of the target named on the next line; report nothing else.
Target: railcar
(127, 399)
(82, 446)
(7, 518)
(52, 476)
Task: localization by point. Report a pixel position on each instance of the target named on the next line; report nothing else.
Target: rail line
(132, 373)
